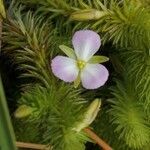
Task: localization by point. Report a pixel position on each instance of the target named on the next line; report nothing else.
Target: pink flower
(81, 64)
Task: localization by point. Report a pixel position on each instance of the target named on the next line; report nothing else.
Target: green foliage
(138, 69)
(28, 39)
(127, 113)
(56, 112)
(106, 130)
(26, 132)
(123, 22)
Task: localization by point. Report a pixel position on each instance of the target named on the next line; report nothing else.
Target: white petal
(86, 43)
(65, 68)
(94, 76)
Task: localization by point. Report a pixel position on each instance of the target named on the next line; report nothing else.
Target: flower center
(81, 64)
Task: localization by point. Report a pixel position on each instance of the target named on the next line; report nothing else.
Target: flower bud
(88, 14)
(89, 115)
(23, 111)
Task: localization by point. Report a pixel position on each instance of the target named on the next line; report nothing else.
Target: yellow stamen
(81, 64)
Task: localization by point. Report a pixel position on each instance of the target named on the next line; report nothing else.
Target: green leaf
(98, 59)
(7, 139)
(68, 51)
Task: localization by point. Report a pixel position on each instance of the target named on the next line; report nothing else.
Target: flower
(81, 65)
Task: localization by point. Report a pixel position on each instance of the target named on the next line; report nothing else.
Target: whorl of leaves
(106, 130)
(56, 112)
(128, 116)
(27, 38)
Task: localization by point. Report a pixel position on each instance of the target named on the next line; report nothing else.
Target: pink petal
(86, 43)
(94, 76)
(64, 68)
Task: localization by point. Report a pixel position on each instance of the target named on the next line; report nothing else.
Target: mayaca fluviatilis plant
(89, 115)
(81, 65)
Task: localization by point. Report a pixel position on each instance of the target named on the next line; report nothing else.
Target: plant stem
(97, 139)
(89, 132)
(32, 146)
